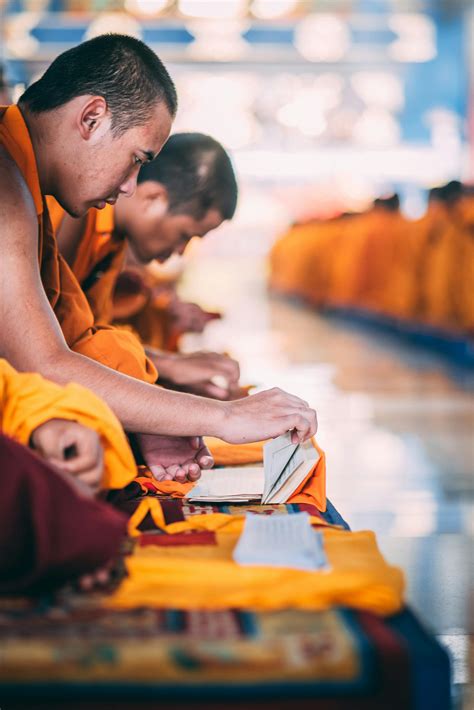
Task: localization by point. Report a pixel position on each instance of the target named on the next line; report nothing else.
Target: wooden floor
(395, 421)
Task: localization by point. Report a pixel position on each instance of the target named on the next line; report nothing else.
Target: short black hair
(448, 193)
(197, 173)
(391, 203)
(121, 69)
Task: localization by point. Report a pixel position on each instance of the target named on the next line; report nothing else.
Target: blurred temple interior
(346, 276)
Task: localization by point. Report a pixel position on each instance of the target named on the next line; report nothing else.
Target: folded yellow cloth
(206, 577)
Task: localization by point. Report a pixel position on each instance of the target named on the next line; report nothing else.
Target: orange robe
(27, 401)
(463, 291)
(347, 250)
(123, 298)
(116, 349)
(439, 237)
(384, 282)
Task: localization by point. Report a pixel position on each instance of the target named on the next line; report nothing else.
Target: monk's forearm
(140, 407)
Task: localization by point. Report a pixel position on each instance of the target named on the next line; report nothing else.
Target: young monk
(81, 134)
(189, 190)
(58, 447)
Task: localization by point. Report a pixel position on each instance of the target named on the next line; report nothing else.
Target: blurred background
(326, 105)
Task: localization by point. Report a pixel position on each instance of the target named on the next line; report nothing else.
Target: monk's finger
(195, 442)
(91, 479)
(209, 389)
(304, 426)
(228, 367)
(180, 475)
(193, 472)
(102, 577)
(81, 451)
(83, 464)
(158, 472)
(204, 458)
(86, 582)
(171, 470)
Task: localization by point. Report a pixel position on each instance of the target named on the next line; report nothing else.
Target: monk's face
(153, 231)
(103, 164)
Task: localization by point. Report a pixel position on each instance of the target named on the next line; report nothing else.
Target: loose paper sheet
(281, 541)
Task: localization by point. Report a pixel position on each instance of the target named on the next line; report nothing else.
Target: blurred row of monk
(78, 141)
(380, 261)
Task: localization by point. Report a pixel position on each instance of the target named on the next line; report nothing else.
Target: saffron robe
(116, 349)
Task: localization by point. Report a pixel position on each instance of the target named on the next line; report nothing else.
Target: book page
(230, 483)
(297, 469)
(277, 455)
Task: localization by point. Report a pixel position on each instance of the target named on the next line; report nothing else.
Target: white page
(276, 455)
(281, 541)
(298, 469)
(245, 482)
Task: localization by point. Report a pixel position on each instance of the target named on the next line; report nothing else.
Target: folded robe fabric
(27, 401)
(206, 577)
(48, 532)
(311, 491)
(116, 349)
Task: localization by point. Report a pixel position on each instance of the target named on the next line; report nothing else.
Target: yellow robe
(28, 400)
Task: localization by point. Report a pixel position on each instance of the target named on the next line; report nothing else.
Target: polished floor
(397, 425)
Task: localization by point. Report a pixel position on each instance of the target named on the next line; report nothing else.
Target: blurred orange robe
(123, 298)
(27, 401)
(463, 292)
(118, 350)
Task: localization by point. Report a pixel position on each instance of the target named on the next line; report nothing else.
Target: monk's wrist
(220, 418)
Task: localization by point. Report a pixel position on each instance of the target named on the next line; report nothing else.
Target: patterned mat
(68, 652)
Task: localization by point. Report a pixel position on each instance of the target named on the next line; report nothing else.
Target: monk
(437, 251)
(4, 94)
(58, 447)
(189, 190)
(81, 133)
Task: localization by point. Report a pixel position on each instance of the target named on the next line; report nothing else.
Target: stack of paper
(281, 541)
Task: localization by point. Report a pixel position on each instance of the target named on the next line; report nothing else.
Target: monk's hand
(73, 449)
(204, 373)
(189, 317)
(178, 458)
(266, 415)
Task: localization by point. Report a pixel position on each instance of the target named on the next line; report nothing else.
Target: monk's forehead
(157, 128)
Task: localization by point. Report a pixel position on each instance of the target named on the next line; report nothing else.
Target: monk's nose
(128, 187)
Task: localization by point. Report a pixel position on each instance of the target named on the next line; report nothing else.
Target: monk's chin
(73, 210)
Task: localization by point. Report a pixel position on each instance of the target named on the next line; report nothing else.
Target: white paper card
(281, 541)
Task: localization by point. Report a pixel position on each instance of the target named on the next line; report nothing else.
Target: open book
(286, 467)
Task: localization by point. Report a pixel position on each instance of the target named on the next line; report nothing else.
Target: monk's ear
(94, 117)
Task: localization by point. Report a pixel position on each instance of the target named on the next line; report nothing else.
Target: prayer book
(281, 541)
(286, 467)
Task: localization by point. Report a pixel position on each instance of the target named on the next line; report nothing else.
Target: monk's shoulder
(16, 202)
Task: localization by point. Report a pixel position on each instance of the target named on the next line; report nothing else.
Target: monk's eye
(138, 161)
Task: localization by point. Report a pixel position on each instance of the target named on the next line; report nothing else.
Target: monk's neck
(37, 132)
